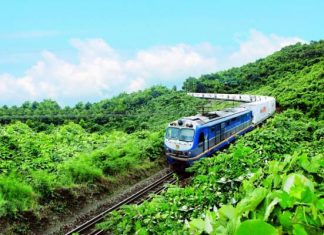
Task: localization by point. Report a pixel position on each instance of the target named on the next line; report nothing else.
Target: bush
(44, 183)
(82, 170)
(118, 165)
(319, 134)
(15, 196)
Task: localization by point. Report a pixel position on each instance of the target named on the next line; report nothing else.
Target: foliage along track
(137, 198)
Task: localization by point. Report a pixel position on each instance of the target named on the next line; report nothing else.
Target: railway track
(89, 227)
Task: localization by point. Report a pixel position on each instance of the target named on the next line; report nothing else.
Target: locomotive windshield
(172, 133)
(184, 134)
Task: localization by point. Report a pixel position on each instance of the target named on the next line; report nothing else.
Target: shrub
(81, 170)
(15, 196)
(44, 183)
(118, 165)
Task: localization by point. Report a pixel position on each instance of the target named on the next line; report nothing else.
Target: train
(189, 139)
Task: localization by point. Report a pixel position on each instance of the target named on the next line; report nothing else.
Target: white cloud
(136, 84)
(259, 45)
(101, 71)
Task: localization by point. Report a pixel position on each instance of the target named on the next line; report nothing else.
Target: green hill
(52, 156)
(294, 75)
(271, 180)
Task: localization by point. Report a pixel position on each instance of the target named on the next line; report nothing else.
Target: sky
(72, 51)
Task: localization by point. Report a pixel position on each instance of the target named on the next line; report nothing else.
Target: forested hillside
(271, 180)
(294, 75)
(54, 157)
(127, 112)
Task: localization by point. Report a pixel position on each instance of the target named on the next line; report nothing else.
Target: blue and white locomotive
(191, 138)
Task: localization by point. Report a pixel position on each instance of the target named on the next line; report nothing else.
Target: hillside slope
(55, 159)
(271, 180)
(294, 75)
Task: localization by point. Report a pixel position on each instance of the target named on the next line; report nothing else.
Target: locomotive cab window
(172, 133)
(186, 134)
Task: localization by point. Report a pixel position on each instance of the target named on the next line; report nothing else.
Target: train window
(186, 134)
(201, 138)
(172, 133)
(217, 138)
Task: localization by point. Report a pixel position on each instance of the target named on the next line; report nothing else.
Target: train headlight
(189, 125)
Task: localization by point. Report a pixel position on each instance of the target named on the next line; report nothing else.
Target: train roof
(211, 117)
(216, 115)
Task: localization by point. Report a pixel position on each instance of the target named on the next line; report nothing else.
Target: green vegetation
(150, 109)
(262, 177)
(271, 180)
(34, 165)
(294, 75)
(48, 163)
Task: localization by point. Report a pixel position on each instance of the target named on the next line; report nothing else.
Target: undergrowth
(270, 179)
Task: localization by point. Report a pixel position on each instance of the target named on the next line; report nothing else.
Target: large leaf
(285, 219)
(251, 201)
(256, 227)
(320, 204)
(197, 226)
(285, 200)
(312, 166)
(299, 230)
(296, 185)
(228, 211)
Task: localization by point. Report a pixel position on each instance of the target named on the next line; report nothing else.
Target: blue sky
(121, 45)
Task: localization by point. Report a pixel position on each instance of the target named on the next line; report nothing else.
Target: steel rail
(81, 229)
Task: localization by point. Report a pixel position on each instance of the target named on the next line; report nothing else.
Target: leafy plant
(277, 188)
